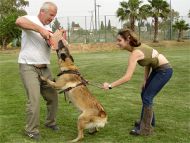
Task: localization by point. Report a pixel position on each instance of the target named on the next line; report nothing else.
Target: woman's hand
(105, 86)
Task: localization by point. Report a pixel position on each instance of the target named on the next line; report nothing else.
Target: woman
(157, 72)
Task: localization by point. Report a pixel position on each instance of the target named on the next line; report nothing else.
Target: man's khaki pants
(34, 89)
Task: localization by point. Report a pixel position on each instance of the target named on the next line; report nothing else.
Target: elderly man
(33, 60)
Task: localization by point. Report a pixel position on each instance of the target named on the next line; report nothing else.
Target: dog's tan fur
(92, 114)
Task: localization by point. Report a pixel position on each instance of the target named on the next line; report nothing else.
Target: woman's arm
(134, 57)
(146, 75)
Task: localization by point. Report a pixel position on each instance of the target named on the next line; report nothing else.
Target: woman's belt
(164, 66)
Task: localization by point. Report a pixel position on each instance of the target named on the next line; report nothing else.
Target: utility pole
(105, 28)
(98, 15)
(68, 30)
(95, 15)
(170, 20)
(92, 21)
(98, 21)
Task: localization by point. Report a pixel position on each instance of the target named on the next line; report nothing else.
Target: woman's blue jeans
(155, 82)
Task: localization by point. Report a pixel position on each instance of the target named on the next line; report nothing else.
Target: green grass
(123, 104)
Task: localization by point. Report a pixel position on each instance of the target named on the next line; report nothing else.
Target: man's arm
(25, 23)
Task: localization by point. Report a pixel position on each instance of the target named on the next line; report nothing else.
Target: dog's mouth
(59, 50)
(63, 52)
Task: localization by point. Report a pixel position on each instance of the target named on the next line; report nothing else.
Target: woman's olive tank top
(148, 60)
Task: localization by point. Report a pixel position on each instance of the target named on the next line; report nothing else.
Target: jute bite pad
(55, 38)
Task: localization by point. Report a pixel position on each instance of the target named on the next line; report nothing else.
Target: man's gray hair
(46, 5)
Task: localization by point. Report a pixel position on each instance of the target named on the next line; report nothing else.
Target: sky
(75, 10)
(108, 7)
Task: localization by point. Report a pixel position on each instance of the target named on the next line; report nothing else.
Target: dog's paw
(92, 131)
(74, 141)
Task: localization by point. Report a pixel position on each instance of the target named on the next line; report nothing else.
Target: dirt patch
(94, 47)
(10, 51)
(169, 43)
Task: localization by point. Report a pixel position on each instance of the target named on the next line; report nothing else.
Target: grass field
(123, 104)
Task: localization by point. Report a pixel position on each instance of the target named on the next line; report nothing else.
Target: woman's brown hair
(128, 34)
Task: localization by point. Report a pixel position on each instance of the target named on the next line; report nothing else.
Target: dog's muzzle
(59, 50)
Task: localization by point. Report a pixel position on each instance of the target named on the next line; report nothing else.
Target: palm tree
(129, 10)
(165, 24)
(157, 9)
(181, 26)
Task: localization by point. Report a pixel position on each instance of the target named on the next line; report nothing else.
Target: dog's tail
(96, 122)
(102, 114)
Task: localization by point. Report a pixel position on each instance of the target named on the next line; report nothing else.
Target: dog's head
(63, 51)
(61, 45)
(65, 60)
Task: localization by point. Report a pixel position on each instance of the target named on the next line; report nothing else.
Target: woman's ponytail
(128, 34)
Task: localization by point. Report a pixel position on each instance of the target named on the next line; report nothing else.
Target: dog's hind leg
(83, 121)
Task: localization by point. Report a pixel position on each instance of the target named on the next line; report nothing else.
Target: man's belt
(40, 66)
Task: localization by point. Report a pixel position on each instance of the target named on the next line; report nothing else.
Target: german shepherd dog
(93, 115)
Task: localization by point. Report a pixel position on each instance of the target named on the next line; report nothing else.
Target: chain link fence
(85, 29)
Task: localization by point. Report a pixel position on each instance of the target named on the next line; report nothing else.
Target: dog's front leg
(80, 135)
(51, 83)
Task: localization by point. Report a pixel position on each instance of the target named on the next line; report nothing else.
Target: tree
(129, 10)
(181, 26)
(8, 30)
(109, 25)
(9, 11)
(102, 27)
(126, 25)
(189, 14)
(8, 7)
(157, 9)
(73, 24)
(56, 25)
(165, 24)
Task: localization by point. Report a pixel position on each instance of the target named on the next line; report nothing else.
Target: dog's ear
(60, 45)
(71, 58)
(63, 56)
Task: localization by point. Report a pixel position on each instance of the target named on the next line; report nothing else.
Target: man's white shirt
(34, 49)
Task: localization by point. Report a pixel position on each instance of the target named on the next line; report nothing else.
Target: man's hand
(45, 33)
(55, 38)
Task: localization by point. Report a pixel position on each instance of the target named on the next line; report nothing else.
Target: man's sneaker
(135, 132)
(34, 136)
(53, 127)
